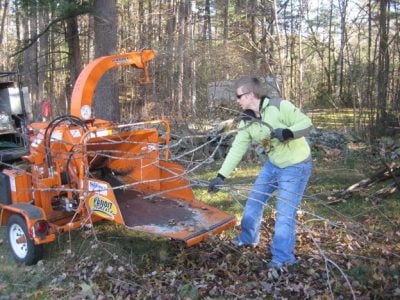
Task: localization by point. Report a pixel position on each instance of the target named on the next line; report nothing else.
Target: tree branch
(33, 40)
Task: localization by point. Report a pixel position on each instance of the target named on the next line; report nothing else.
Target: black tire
(26, 252)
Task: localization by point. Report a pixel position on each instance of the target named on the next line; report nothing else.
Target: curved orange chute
(87, 81)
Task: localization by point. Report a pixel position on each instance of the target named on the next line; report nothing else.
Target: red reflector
(42, 227)
(31, 233)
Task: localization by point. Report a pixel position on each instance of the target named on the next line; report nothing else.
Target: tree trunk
(329, 74)
(142, 34)
(253, 30)
(226, 20)
(18, 24)
(182, 45)
(343, 38)
(281, 63)
(193, 68)
(170, 80)
(60, 106)
(3, 20)
(383, 64)
(207, 21)
(263, 39)
(149, 25)
(2, 28)
(160, 21)
(106, 102)
(43, 52)
(74, 53)
(300, 94)
(30, 55)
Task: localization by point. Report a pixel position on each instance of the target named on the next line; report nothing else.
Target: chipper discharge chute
(138, 189)
(81, 170)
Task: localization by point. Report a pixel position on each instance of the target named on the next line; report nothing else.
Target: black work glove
(215, 184)
(282, 134)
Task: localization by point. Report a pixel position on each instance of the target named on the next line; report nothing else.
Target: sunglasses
(240, 96)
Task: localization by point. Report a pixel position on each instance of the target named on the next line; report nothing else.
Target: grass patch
(118, 261)
(338, 118)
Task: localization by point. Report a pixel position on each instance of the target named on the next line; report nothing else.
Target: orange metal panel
(173, 182)
(133, 155)
(20, 185)
(189, 221)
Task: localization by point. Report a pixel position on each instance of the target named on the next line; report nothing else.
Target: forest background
(329, 54)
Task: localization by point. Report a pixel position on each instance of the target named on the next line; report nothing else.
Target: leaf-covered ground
(350, 250)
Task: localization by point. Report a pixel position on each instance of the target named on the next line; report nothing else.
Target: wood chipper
(81, 170)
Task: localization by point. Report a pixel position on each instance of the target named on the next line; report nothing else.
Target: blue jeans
(290, 183)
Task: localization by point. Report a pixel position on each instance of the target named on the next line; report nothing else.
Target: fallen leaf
(86, 290)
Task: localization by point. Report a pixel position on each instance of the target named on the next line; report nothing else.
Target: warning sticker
(100, 188)
(12, 184)
(56, 135)
(75, 133)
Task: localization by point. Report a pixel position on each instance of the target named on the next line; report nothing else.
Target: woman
(286, 170)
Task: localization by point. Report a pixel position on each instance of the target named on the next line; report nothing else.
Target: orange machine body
(81, 170)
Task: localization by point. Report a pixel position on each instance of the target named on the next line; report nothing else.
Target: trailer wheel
(22, 247)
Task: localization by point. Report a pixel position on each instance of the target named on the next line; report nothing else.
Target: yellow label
(102, 206)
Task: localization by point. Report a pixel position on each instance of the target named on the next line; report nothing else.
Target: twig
(390, 172)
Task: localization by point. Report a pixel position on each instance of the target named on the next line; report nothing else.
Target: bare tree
(30, 69)
(301, 59)
(4, 12)
(207, 21)
(74, 52)
(3, 19)
(226, 20)
(182, 46)
(343, 38)
(323, 52)
(279, 46)
(43, 12)
(383, 63)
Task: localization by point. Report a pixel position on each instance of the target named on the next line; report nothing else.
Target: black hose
(51, 127)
